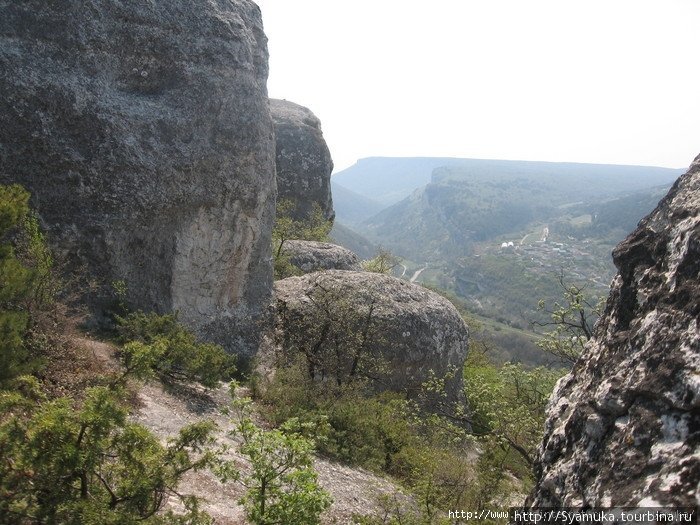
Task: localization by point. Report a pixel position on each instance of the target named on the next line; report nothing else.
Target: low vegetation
(287, 228)
(77, 457)
(383, 262)
(282, 486)
(445, 456)
(157, 345)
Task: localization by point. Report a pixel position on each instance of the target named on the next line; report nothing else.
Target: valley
(500, 234)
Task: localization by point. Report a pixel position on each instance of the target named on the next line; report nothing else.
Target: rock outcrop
(304, 163)
(623, 427)
(143, 131)
(311, 256)
(406, 331)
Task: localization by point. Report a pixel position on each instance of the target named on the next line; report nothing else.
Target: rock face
(143, 131)
(311, 256)
(304, 163)
(623, 428)
(411, 329)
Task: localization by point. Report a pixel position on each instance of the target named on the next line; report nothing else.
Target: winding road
(417, 273)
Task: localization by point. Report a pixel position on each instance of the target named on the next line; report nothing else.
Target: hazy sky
(611, 81)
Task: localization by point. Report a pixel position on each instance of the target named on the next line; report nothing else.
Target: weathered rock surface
(311, 256)
(623, 428)
(304, 163)
(143, 131)
(412, 329)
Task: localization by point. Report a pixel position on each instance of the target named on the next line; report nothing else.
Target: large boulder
(623, 428)
(143, 131)
(304, 163)
(311, 256)
(406, 333)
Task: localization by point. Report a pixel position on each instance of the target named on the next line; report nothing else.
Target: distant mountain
(572, 180)
(623, 213)
(478, 227)
(477, 200)
(353, 241)
(387, 180)
(351, 207)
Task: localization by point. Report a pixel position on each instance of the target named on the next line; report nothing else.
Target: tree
(286, 228)
(383, 262)
(70, 462)
(572, 320)
(282, 488)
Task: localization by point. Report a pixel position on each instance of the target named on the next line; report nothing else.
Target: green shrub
(88, 464)
(356, 426)
(508, 402)
(159, 345)
(18, 284)
(282, 486)
(287, 228)
(384, 262)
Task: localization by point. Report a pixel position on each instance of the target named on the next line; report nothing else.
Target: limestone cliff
(623, 427)
(304, 163)
(143, 131)
(410, 329)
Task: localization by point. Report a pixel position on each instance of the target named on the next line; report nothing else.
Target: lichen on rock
(623, 428)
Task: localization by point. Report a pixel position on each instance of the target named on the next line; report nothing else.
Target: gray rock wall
(623, 428)
(143, 131)
(304, 163)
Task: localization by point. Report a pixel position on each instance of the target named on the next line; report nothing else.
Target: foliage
(383, 262)
(508, 403)
(334, 334)
(356, 427)
(572, 321)
(443, 472)
(283, 267)
(88, 464)
(383, 432)
(35, 254)
(16, 285)
(282, 487)
(28, 286)
(313, 228)
(159, 345)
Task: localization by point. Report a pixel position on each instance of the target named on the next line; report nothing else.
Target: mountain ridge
(391, 179)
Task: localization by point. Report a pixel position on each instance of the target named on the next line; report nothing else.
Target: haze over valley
(497, 234)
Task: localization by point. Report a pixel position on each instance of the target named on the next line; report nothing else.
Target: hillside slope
(352, 208)
(165, 411)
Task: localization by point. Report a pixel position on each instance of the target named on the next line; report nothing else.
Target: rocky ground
(165, 410)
